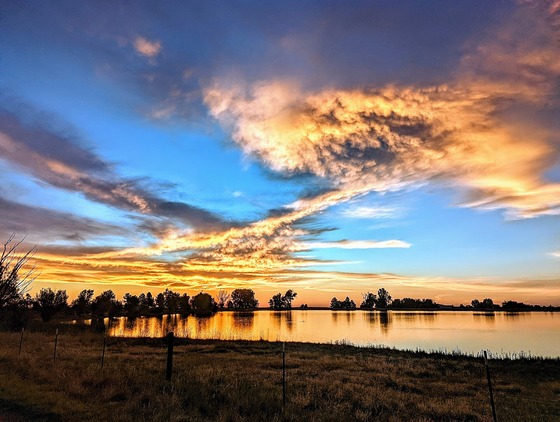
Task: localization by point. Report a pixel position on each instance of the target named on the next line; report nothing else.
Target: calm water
(537, 333)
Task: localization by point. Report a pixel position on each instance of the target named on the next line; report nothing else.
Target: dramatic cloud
(385, 139)
(336, 102)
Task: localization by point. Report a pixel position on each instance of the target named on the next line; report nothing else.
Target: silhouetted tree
(288, 298)
(160, 303)
(344, 304)
(105, 304)
(171, 301)
(48, 302)
(14, 281)
(16, 316)
(203, 304)
(146, 303)
(383, 299)
(408, 303)
(82, 304)
(280, 301)
(276, 301)
(487, 304)
(150, 300)
(223, 297)
(369, 300)
(184, 304)
(348, 304)
(243, 299)
(335, 303)
(511, 305)
(131, 304)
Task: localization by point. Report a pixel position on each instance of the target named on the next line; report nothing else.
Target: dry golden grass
(241, 381)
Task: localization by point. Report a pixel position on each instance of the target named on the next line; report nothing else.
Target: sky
(329, 147)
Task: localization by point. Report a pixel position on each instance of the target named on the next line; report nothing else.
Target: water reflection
(379, 320)
(385, 320)
(515, 314)
(347, 315)
(283, 319)
(488, 317)
(243, 320)
(535, 332)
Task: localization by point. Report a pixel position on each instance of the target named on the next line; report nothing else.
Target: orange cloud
(385, 139)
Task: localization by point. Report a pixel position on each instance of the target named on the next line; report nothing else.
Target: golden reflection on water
(500, 332)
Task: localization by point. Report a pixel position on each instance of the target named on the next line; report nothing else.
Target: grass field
(234, 381)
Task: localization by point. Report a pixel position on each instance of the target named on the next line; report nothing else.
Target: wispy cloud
(358, 244)
(44, 225)
(35, 144)
(370, 212)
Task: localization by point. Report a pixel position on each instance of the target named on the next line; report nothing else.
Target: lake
(501, 333)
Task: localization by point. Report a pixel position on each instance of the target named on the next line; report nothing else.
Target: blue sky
(320, 146)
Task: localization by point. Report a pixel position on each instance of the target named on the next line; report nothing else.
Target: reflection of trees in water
(180, 325)
(515, 315)
(415, 316)
(283, 318)
(334, 316)
(383, 318)
(348, 315)
(488, 317)
(243, 320)
(202, 326)
(129, 323)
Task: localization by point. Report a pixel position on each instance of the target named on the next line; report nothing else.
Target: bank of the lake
(234, 381)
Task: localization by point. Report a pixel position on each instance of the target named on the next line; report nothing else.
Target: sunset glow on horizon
(332, 149)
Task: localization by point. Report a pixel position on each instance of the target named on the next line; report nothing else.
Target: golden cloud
(384, 139)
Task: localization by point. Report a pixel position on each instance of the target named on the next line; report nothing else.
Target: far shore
(443, 309)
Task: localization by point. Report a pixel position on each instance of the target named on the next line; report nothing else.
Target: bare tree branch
(14, 281)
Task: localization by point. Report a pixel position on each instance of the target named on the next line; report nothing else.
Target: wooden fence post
(490, 387)
(55, 344)
(21, 341)
(169, 356)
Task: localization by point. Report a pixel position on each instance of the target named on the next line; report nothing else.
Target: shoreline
(75, 328)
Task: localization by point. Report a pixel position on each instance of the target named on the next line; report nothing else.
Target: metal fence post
(490, 387)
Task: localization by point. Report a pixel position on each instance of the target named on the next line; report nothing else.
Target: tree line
(383, 300)
(17, 306)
